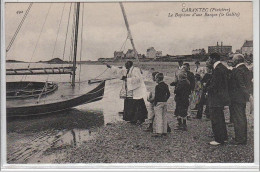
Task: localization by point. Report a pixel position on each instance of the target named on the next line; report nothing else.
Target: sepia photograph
(151, 84)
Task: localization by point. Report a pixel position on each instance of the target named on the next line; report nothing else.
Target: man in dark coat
(239, 95)
(190, 76)
(191, 79)
(203, 100)
(218, 97)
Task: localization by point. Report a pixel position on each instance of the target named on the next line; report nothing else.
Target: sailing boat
(25, 98)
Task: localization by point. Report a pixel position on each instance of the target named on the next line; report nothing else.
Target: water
(110, 105)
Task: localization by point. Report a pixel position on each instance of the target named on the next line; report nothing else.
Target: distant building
(198, 51)
(220, 49)
(152, 53)
(158, 54)
(130, 53)
(247, 48)
(119, 54)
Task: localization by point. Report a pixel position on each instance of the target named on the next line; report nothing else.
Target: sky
(104, 30)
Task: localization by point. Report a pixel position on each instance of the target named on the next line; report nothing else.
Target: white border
(256, 78)
(134, 166)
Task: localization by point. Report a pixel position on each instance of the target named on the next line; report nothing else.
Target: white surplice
(135, 81)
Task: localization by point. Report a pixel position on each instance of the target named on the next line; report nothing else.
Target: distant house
(247, 48)
(198, 51)
(119, 54)
(221, 49)
(130, 53)
(158, 54)
(152, 53)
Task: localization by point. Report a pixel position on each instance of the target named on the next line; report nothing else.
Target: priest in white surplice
(134, 107)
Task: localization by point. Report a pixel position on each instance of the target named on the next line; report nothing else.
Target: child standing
(162, 94)
(182, 93)
(150, 107)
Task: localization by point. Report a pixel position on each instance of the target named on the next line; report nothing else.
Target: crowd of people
(215, 86)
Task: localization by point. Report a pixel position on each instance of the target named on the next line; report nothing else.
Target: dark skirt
(134, 110)
(181, 108)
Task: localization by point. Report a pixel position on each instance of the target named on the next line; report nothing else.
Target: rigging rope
(101, 73)
(72, 35)
(40, 34)
(24, 76)
(52, 56)
(18, 28)
(64, 48)
(58, 31)
(82, 23)
(66, 33)
(124, 44)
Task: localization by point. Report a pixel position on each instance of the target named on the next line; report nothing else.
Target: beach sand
(78, 136)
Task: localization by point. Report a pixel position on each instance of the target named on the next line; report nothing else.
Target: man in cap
(239, 95)
(218, 97)
(191, 78)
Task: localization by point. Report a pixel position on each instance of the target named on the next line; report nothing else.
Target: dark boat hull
(91, 96)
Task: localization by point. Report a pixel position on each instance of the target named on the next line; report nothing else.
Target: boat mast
(75, 43)
(129, 31)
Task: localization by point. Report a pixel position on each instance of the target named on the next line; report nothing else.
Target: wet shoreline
(29, 139)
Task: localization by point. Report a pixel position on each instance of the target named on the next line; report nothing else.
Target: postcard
(146, 85)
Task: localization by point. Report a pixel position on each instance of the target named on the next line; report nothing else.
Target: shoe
(156, 135)
(214, 143)
(179, 128)
(149, 128)
(169, 130)
(233, 142)
(139, 122)
(184, 128)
